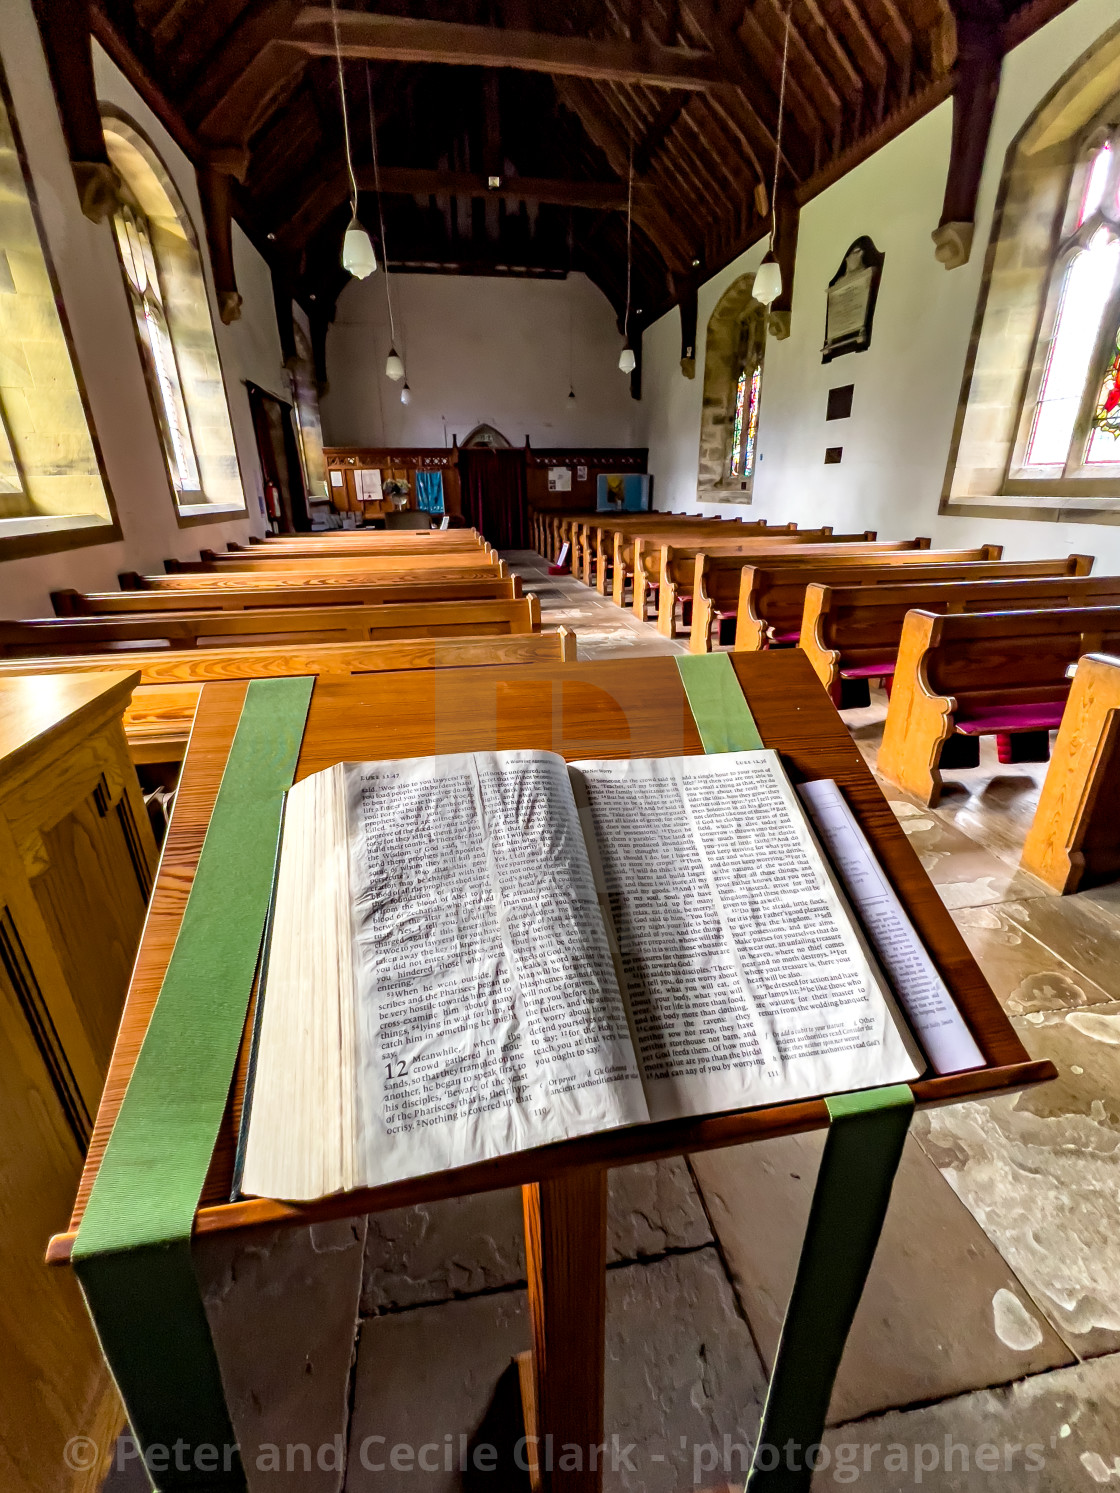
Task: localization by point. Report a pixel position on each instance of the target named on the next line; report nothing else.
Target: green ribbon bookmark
(866, 1135)
(722, 715)
(132, 1254)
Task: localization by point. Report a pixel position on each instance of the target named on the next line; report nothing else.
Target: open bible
(470, 955)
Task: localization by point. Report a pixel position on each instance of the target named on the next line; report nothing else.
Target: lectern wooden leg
(566, 1255)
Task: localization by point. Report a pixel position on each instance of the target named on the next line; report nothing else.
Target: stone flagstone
(925, 1327)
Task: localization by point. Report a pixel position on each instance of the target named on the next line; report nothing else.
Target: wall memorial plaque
(852, 293)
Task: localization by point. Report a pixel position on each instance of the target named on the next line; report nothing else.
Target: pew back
(981, 673)
(470, 559)
(326, 624)
(672, 567)
(854, 631)
(158, 721)
(771, 596)
(314, 591)
(357, 573)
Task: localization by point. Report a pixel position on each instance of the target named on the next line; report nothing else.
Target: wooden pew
(596, 544)
(631, 543)
(253, 564)
(1074, 841)
(361, 542)
(158, 721)
(289, 591)
(852, 632)
(341, 577)
(771, 596)
(669, 568)
(276, 626)
(964, 675)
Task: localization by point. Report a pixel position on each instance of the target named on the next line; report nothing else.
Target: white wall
(477, 349)
(104, 341)
(907, 384)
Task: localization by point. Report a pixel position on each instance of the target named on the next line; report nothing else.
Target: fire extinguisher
(272, 500)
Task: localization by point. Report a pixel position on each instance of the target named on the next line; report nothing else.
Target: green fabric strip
(132, 1253)
(858, 1165)
(722, 715)
(861, 1156)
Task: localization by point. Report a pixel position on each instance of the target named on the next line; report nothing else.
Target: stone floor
(985, 1352)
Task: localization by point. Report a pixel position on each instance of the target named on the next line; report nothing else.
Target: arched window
(1071, 415)
(53, 492)
(732, 399)
(166, 286)
(1038, 425)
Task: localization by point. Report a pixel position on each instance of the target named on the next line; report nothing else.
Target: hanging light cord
(380, 205)
(345, 119)
(629, 218)
(778, 132)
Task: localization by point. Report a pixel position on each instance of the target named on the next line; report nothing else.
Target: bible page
(488, 1013)
(747, 980)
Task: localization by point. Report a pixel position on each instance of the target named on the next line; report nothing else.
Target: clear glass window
(134, 240)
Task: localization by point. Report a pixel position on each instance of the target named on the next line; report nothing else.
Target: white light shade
(394, 368)
(357, 252)
(767, 282)
(406, 394)
(626, 359)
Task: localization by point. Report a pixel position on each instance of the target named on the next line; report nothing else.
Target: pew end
(1074, 841)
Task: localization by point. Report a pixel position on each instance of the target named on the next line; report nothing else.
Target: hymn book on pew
(471, 955)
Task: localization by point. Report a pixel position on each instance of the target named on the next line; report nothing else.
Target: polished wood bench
(340, 541)
(215, 593)
(571, 528)
(771, 596)
(357, 573)
(370, 564)
(1074, 841)
(158, 720)
(43, 636)
(624, 536)
(668, 570)
(853, 632)
(594, 541)
(603, 536)
(964, 675)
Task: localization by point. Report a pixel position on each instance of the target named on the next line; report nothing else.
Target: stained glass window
(737, 426)
(744, 430)
(1073, 420)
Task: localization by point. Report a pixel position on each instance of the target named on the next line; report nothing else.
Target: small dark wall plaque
(840, 402)
(833, 455)
(852, 293)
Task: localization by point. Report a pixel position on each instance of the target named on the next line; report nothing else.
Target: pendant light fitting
(358, 258)
(627, 362)
(768, 278)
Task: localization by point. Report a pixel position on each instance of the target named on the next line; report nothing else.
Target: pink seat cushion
(722, 615)
(1043, 715)
(870, 671)
(793, 636)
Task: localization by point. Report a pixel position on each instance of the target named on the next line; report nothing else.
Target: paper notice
(921, 992)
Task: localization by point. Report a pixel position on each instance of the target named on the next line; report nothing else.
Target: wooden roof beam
(404, 39)
(660, 225)
(260, 24)
(250, 96)
(406, 181)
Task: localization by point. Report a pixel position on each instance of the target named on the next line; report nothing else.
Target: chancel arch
(733, 372)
